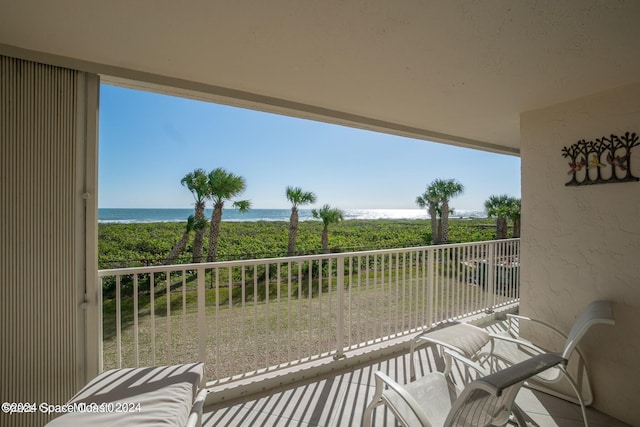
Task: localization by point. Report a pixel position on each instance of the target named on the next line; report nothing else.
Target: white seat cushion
(165, 395)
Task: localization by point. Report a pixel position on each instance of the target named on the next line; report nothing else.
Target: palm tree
(329, 216)
(223, 186)
(430, 200)
(297, 197)
(178, 248)
(196, 182)
(446, 190)
(500, 207)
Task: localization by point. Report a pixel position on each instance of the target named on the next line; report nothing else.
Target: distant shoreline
(161, 215)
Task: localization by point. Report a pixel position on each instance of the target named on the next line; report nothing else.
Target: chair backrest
(596, 312)
(489, 400)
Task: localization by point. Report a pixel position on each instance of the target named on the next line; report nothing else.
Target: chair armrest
(519, 372)
(195, 417)
(518, 316)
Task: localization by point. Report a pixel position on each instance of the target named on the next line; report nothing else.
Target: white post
(202, 319)
(340, 308)
(491, 277)
(430, 284)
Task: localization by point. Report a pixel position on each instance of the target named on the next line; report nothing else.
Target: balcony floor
(339, 399)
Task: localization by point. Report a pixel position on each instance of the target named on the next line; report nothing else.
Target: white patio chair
(434, 401)
(510, 349)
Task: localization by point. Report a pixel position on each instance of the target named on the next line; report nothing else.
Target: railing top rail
(300, 258)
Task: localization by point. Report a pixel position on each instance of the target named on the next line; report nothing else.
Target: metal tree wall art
(603, 161)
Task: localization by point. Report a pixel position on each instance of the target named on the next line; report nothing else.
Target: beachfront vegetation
(145, 244)
(329, 216)
(297, 197)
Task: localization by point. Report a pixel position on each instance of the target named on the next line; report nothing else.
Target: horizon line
(289, 208)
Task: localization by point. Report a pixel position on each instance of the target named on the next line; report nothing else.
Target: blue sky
(148, 142)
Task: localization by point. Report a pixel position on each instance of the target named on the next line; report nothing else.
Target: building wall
(581, 244)
(41, 244)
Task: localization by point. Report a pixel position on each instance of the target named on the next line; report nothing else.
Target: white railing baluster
(481, 280)
(310, 295)
(377, 324)
(256, 350)
(330, 323)
(230, 324)
(215, 278)
(184, 315)
(350, 303)
(136, 348)
(457, 267)
(118, 322)
(289, 284)
(278, 309)
(449, 294)
(423, 282)
(243, 317)
(369, 331)
(153, 318)
(438, 284)
(359, 323)
(403, 316)
(101, 338)
(419, 321)
(300, 300)
(268, 318)
(397, 294)
(320, 311)
(168, 318)
(430, 286)
(385, 291)
(479, 277)
(202, 316)
(340, 307)
(465, 279)
(491, 272)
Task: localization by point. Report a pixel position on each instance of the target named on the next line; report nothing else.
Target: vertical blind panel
(38, 315)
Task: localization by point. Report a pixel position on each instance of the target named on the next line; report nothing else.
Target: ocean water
(126, 216)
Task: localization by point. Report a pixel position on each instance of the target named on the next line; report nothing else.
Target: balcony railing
(249, 317)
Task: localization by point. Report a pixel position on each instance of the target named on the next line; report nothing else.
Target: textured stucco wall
(580, 244)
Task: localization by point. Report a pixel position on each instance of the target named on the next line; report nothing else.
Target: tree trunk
(177, 249)
(325, 240)
(198, 239)
(293, 232)
(214, 232)
(501, 228)
(434, 225)
(445, 221)
(516, 228)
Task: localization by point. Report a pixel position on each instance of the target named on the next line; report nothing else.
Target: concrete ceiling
(452, 71)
